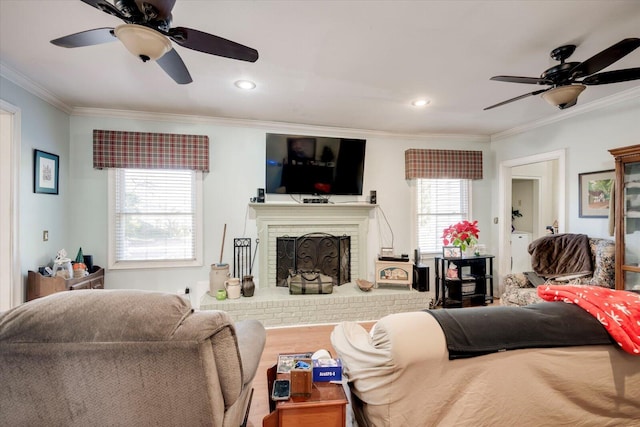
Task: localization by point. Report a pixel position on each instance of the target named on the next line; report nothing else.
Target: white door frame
(11, 293)
(505, 203)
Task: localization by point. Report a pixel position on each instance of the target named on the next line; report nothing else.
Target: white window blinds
(439, 203)
(155, 215)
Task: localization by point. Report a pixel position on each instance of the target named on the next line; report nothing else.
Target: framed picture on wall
(595, 193)
(46, 171)
(451, 252)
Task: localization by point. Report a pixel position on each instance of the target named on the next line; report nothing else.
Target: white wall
(45, 128)
(77, 217)
(237, 169)
(586, 138)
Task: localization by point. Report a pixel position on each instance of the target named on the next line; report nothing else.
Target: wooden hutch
(627, 217)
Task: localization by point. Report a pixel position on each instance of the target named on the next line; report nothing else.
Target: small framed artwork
(595, 193)
(451, 252)
(46, 170)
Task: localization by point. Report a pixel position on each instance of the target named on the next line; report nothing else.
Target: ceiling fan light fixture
(421, 102)
(143, 42)
(245, 84)
(563, 94)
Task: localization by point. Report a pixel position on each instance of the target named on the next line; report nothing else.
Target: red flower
(462, 234)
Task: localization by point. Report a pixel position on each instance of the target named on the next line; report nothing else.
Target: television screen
(300, 164)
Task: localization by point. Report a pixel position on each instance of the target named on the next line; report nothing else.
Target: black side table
(470, 283)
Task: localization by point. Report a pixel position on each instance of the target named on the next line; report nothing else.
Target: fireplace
(318, 252)
(274, 220)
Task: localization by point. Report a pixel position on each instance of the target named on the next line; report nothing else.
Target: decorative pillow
(604, 251)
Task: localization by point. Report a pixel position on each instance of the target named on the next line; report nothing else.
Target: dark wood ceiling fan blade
(86, 38)
(605, 58)
(616, 76)
(214, 45)
(517, 98)
(517, 79)
(173, 65)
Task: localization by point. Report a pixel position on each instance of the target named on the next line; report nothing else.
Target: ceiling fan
(563, 78)
(147, 33)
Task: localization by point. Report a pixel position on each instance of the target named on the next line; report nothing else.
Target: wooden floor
(286, 340)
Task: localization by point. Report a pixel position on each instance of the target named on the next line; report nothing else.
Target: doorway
(547, 207)
(10, 289)
(525, 203)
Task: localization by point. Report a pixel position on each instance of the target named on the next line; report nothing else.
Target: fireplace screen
(322, 252)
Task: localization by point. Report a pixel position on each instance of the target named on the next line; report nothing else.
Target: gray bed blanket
(561, 255)
(477, 331)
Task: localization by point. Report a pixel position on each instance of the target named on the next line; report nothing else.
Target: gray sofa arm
(251, 337)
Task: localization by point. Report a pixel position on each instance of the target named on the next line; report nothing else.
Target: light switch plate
(45, 235)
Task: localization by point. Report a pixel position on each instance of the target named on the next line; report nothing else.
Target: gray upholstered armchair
(124, 357)
(518, 290)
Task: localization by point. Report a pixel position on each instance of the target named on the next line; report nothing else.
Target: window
(439, 203)
(155, 218)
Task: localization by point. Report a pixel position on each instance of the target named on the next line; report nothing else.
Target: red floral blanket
(618, 311)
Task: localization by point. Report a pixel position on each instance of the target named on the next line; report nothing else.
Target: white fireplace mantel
(277, 219)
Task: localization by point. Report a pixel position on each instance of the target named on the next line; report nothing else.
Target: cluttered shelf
(40, 286)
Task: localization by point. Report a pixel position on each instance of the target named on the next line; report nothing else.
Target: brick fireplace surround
(273, 306)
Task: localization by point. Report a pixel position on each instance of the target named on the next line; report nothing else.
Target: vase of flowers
(464, 234)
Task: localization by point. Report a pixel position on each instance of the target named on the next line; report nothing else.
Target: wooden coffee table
(327, 406)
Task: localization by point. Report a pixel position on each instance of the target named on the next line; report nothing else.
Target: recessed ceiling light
(245, 84)
(420, 102)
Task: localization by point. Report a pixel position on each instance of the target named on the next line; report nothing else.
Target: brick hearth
(275, 307)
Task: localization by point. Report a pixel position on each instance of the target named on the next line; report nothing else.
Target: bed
(400, 374)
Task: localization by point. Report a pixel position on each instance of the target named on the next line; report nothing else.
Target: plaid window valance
(443, 164)
(141, 150)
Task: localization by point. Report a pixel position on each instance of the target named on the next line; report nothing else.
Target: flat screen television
(317, 165)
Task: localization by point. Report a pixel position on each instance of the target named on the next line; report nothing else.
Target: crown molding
(271, 126)
(572, 112)
(33, 88)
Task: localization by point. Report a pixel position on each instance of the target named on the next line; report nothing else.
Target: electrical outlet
(45, 235)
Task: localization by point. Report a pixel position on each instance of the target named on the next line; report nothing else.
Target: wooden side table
(40, 286)
(327, 406)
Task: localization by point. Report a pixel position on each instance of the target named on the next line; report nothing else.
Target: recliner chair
(125, 357)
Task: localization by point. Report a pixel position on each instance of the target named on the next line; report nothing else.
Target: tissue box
(327, 370)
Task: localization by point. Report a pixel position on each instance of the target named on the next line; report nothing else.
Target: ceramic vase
(248, 287)
(217, 276)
